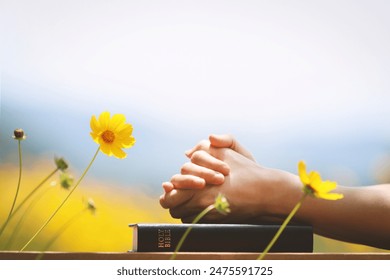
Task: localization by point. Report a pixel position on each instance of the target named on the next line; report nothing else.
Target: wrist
(285, 190)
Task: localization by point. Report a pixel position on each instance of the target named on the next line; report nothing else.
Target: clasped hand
(220, 165)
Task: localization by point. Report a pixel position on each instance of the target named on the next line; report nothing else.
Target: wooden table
(11, 255)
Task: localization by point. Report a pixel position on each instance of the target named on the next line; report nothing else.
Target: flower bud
(19, 134)
(221, 204)
(61, 164)
(66, 180)
(91, 205)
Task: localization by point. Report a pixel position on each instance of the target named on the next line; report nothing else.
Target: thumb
(228, 141)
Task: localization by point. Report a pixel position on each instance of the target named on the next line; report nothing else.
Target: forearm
(362, 216)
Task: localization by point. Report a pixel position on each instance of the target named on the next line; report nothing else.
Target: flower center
(108, 136)
(309, 189)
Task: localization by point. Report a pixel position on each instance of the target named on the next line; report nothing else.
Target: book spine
(217, 238)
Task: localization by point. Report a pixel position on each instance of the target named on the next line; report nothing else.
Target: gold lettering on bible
(164, 238)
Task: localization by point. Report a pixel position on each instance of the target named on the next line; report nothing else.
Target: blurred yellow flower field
(107, 230)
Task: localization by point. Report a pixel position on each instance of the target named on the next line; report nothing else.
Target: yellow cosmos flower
(315, 186)
(312, 185)
(112, 134)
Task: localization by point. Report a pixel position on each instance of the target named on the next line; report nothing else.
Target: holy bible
(220, 238)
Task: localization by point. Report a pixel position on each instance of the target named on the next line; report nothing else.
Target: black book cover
(221, 238)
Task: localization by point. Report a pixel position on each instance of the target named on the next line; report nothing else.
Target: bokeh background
(290, 80)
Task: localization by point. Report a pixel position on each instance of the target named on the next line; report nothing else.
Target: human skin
(257, 194)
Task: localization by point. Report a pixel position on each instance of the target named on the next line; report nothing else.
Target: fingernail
(188, 153)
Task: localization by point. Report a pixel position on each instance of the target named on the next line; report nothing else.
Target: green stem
(197, 218)
(282, 227)
(19, 179)
(63, 202)
(17, 188)
(60, 231)
(34, 190)
(19, 224)
(25, 200)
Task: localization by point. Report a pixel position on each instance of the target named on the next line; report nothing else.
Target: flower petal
(104, 120)
(327, 186)
(116, 121)
(124, 132)
(128, 143)
(105, 148)
(95, 137)
(94, 124)
(118, 152)
(125, 129)
(329, 196)
(315, 179)
(302, 173)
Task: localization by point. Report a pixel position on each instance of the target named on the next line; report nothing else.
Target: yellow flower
(315, 186)
(312, 185)
(112, 134)
(221, 204)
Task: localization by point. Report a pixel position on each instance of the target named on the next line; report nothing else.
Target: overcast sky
(245, 67)
(242, 61)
